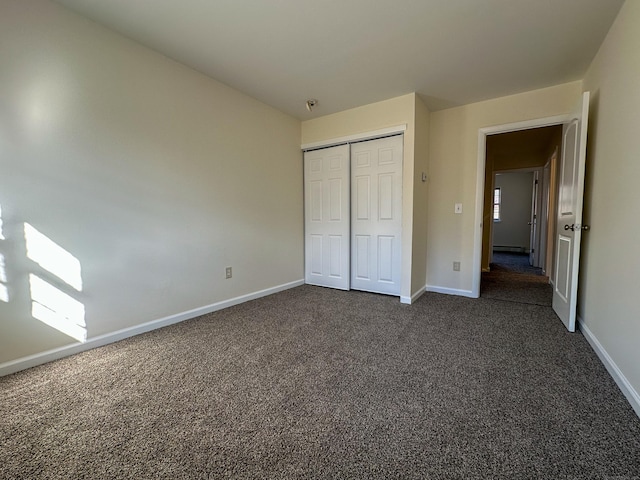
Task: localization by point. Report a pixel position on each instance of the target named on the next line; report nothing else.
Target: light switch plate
(458, 208)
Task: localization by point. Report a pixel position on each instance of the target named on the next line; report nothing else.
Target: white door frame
(539, 220)
(544, 227)
(483, 133)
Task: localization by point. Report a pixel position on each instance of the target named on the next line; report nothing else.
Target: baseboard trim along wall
(414, 297)
(450, 291)
(504, 248)
(100, 340)
(627, 389)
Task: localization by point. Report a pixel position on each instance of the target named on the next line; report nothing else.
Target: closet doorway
(353, 216)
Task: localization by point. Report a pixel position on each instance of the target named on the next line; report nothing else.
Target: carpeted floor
(513, 263)
(320, 383)
(512, 279)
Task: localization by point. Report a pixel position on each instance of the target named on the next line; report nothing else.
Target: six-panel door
(326, 192)
(376, 215)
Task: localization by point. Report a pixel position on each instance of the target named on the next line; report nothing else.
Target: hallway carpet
(512, 279)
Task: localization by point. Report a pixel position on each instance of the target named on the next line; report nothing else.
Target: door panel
(361, 256)
(569, 216)
(315, 201)
(335, 255)
(385, 258)
(363, 198)
(327, 222)
(376, 223)
(568, 174)
(336, 202)
(562, 278)
(315, 254)
(385, 197)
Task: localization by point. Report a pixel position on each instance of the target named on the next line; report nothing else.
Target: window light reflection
(57, 309)
(4, 293)
(4, 290)
(52, 257)
(3, 270)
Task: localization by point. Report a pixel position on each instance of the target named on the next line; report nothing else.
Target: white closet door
(376, 215)
(326, 207)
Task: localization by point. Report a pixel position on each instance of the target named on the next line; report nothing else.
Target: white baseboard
(450, 291)
(627, 389)
(502, 248)
(100, 340)
(414, 297)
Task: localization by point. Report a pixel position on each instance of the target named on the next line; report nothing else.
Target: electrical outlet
(456, 266)
(228, 272)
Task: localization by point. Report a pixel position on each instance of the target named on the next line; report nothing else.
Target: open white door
(326, 213)
(569, 217)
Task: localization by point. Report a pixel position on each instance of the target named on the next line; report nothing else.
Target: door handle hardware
(573, 227)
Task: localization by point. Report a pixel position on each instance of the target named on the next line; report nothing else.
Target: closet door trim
(358, 137)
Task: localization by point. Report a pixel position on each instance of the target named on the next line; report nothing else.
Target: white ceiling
(348, 53)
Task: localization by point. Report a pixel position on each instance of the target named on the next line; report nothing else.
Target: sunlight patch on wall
(52, 257)
(4, 290)
(1, 234)
(50, 304)
(57, 309)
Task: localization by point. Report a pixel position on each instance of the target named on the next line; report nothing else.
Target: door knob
(571, 227)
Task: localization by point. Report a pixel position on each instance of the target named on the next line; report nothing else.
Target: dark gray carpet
(512, 279)
(513, 263)
(516, 287)
(320, 383)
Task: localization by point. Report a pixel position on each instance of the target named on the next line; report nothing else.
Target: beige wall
(376, 116)
(610, 264)
(153, 176)
(453, 160)
(515, 213)
(420, 191)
